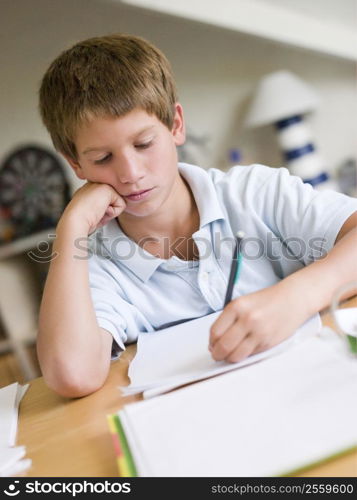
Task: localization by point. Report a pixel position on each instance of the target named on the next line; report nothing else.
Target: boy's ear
(76, 167)
(178, 128)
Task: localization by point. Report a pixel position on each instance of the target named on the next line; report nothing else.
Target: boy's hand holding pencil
(255, 322)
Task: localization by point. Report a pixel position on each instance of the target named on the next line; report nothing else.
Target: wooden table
(70, 438)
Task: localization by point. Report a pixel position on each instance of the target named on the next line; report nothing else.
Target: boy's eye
(144, 145)
(103, 160)
(106, 158)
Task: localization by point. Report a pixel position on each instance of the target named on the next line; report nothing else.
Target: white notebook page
(267, 419)
(178, 355)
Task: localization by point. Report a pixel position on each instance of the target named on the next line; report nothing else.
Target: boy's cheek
(99, 178)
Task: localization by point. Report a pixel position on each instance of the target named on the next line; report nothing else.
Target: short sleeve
(301, 215)
(113, 312)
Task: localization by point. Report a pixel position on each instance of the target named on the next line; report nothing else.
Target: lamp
(282, 99)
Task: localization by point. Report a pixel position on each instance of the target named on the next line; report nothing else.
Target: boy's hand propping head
(94, 205)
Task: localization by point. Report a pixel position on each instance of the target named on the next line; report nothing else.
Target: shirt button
(205, 276)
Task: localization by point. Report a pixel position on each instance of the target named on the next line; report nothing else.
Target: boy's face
(132, 153)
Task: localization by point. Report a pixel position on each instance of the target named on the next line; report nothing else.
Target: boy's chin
(140, 211)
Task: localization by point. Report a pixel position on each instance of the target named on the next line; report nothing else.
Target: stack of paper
(347, 323)
(179, 355)
(11, 457)
(271, 418)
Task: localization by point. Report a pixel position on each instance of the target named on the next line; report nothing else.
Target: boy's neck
(178, 218)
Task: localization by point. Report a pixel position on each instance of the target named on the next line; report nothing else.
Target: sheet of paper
(10, 456)
(21, 389)
(8, 414)
(10, 397)
(17, 468)
(273, 417)
(347, 319)
(179, 355)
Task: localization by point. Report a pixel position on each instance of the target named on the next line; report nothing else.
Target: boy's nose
(129, 172)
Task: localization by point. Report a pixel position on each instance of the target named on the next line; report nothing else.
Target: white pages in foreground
(268, 419)
(179, 355)
(12, 459)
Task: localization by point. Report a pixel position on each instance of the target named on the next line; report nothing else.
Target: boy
(162, 233)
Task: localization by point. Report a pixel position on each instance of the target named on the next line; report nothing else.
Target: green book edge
(352, 341)
(125, 446)
(133, 472)
(324, 460)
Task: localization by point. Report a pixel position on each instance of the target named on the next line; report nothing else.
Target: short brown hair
(104, 76)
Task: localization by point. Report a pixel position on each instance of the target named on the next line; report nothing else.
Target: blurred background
(261, 81)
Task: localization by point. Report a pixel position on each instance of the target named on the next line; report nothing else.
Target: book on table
(285, 411)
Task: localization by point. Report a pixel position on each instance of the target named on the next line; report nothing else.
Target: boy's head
(107, 76)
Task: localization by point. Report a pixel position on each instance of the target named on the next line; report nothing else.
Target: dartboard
(33, 192)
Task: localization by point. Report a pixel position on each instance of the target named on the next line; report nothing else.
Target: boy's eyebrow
(145, 129)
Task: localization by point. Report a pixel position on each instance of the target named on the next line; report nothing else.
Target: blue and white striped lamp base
(300, 154)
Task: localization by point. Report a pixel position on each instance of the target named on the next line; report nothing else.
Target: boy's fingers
(116, 200)
(113, 211)
(224, 321)
(119, 202)
(109, 211)
(243, 350)
(228, 342)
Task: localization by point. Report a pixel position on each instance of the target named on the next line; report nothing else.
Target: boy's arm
(262, 319)
(74, 352)
(320, 280)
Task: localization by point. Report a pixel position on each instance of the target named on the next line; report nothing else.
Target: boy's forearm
(70, 344)
(320, 280)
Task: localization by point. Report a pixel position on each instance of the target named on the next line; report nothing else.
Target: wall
(216, 72)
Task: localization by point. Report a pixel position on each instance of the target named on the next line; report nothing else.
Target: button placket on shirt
(205, 276)
(206, 267)
(211, 278)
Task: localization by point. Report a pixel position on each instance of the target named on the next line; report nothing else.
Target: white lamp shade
(278, 96)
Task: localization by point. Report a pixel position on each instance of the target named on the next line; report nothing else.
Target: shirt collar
(204, 193)
(142, 263)
(126, 252)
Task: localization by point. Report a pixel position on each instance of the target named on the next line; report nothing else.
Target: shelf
(266, 20)
(28, 243)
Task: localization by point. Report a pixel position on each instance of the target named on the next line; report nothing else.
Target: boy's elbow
(72, 376)
(71, 388)
(73, 383)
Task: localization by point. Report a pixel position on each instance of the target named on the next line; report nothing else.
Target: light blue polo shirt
(287, 225)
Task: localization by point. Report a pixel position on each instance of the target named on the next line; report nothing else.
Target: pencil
(235, 267)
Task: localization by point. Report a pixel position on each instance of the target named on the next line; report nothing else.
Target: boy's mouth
(138, 195)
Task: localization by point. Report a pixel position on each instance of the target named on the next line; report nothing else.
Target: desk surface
(70, 438)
